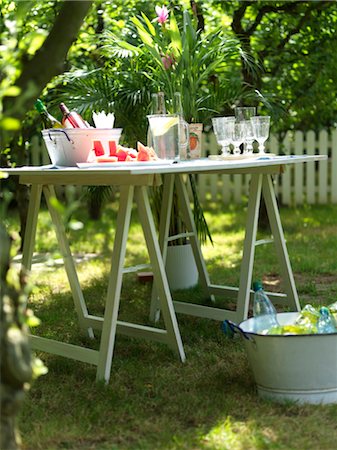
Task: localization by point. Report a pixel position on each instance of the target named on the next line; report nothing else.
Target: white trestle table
(134, 181)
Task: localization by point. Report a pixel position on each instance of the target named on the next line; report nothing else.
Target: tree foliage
(295, 44)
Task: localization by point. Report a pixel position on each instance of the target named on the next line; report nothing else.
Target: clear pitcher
(170, 136)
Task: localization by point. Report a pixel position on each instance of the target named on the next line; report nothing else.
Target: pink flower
(167, 61)
(162, 13)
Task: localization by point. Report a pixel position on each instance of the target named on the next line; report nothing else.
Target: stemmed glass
(238, 137)
(244, 114)
(261, 125)
(223, 129)
(249, 137)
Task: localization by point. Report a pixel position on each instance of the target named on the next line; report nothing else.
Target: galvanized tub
(301, 368)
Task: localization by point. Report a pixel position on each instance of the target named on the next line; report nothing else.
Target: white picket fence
(314, 182)
(302, 183)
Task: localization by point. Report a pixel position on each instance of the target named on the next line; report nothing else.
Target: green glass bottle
(48, 120)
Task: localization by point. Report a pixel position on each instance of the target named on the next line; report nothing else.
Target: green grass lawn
(153, 401)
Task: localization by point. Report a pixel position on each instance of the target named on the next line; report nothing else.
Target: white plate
(127, 164)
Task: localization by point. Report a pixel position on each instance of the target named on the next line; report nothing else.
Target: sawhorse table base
(261, 185)
(109, 325)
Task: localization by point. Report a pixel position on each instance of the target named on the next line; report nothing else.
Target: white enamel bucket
(302, 368)
(69, 146)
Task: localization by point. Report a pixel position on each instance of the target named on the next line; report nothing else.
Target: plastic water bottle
(264, 312)
(325, 322)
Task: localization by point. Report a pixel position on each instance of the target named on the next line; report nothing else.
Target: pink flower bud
(167, 61)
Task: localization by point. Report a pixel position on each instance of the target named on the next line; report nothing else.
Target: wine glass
(261, 125)
(249, 137)
(238, 137)
(243, 113)
(223, 129)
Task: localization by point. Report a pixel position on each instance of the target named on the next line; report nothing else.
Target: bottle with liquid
(157, 107)
(177, 105)
(333, 310)
(325, 322)
(48, 120)
(71, 119)
(308, 318)
(184, 147)
(265, 316)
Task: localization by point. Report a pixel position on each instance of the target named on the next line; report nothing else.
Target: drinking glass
(244, 112)
(223, 129)
(261, 125)
(238, 137)
(248, 137)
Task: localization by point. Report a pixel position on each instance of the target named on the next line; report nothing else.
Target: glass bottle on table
(71, 119)
(184, 135)
(265, 315)
(48, 120)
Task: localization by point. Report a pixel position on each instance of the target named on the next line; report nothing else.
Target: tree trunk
(49, 60)
(16, 364)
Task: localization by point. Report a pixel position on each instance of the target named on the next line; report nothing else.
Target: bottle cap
(324, 311)
(39, 105)
(257, 285)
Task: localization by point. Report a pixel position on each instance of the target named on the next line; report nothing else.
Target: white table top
(190, 166)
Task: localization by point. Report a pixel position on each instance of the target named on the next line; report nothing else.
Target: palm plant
(185, 60)
(172, 59)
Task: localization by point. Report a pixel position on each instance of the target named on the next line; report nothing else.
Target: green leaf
(145, 37)
(57, 205)
(12, 91)
(138, 24)
(10, 124)
(189, 30)
(175, 35)
(36, 43)
(33, 321)
(38, 368)
(151, 28)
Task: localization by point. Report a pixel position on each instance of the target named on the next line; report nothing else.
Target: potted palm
(185, 60)
(167, 55)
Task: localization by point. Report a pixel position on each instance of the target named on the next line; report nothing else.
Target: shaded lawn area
(153, 401)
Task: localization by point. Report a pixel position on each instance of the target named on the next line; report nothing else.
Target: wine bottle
(48, 120)
(71, 119)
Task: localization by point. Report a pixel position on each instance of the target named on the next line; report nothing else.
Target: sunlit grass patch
(153, 401)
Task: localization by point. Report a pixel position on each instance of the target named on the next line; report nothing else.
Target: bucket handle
(236, 329)
(57, 130)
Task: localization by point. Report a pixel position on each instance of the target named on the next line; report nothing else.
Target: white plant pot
(181, 269)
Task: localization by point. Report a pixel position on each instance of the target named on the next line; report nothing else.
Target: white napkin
(103, 120)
